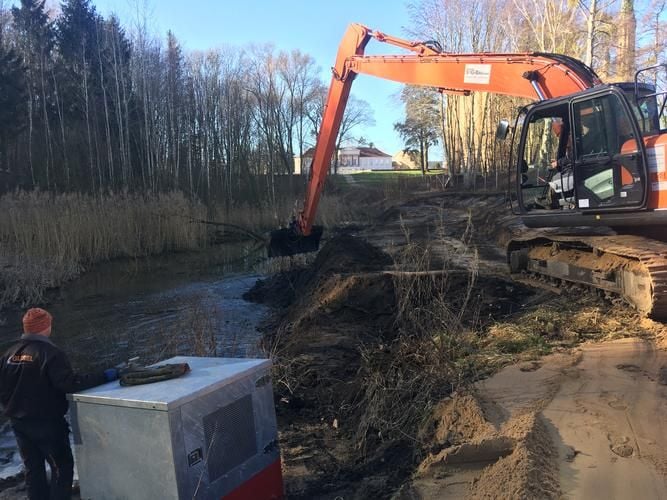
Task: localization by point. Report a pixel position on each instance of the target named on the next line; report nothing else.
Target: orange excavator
(588, 159)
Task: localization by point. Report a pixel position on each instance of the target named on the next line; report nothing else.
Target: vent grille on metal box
(230, 437)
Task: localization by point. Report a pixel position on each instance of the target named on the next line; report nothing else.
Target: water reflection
(123, 308)
(151, 308)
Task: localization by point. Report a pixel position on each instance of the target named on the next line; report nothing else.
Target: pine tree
(12, 100)
(76, 41)
(32, 24)
(35, 40)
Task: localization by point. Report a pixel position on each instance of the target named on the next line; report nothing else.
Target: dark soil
(327, 316)
(368, 344)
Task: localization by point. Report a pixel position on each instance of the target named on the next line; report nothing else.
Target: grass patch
(384, 175)
(514, 340)
(391, 187)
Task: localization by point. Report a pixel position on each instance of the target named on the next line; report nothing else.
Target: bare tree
(421, 127)
(467, 27)
(5, 19)
(655, 31)
(357, 113)
(298, 72)
(551, 25)
(591, 25)
(627, 27)
(315, 107)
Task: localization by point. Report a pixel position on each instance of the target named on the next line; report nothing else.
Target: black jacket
(35, 375)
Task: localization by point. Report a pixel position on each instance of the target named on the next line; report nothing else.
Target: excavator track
(631, 267)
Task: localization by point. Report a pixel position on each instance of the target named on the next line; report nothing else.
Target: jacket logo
(21, 358)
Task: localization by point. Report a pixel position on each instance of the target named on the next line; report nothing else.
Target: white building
(350, 160)
(356, 159)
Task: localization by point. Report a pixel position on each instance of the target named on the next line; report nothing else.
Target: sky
(312, 26)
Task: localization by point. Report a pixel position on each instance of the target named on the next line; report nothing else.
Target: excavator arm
(530, 75)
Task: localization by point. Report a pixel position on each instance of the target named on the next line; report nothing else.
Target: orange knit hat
(36, 320)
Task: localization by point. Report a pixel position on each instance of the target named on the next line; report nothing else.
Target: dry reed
(428, 360)
(47, 239)
(193, 334)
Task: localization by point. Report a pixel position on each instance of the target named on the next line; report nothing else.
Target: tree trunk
(626, 44)
(590, 32)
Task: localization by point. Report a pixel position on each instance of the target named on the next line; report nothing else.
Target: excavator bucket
(285, 242)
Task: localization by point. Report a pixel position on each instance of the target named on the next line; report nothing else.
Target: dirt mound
(341, 304)
(348, 254)
(337, 304)
(343, 313)
(530, 471)
(518, 461)
(343, 254)
(456, 420)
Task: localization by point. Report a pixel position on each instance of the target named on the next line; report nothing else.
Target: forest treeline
(90, 105)
(87, 105)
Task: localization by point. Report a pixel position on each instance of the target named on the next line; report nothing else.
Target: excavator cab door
(609, 169)
(544, 155)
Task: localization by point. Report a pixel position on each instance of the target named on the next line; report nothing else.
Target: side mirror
(502, 130)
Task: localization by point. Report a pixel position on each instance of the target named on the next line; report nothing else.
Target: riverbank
(381, 344)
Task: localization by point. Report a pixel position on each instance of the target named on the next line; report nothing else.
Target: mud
(385, 349)
(339, 325)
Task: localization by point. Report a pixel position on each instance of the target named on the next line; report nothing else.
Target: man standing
(35, 375)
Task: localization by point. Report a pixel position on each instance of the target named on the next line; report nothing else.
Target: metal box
(208, 434)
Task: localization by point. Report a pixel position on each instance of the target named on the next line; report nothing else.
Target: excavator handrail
(530, 75)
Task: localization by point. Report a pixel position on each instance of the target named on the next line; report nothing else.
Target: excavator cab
(585, 157)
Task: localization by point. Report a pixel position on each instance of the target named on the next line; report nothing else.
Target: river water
(153, 308)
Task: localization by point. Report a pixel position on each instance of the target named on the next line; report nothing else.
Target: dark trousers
(43, 441)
